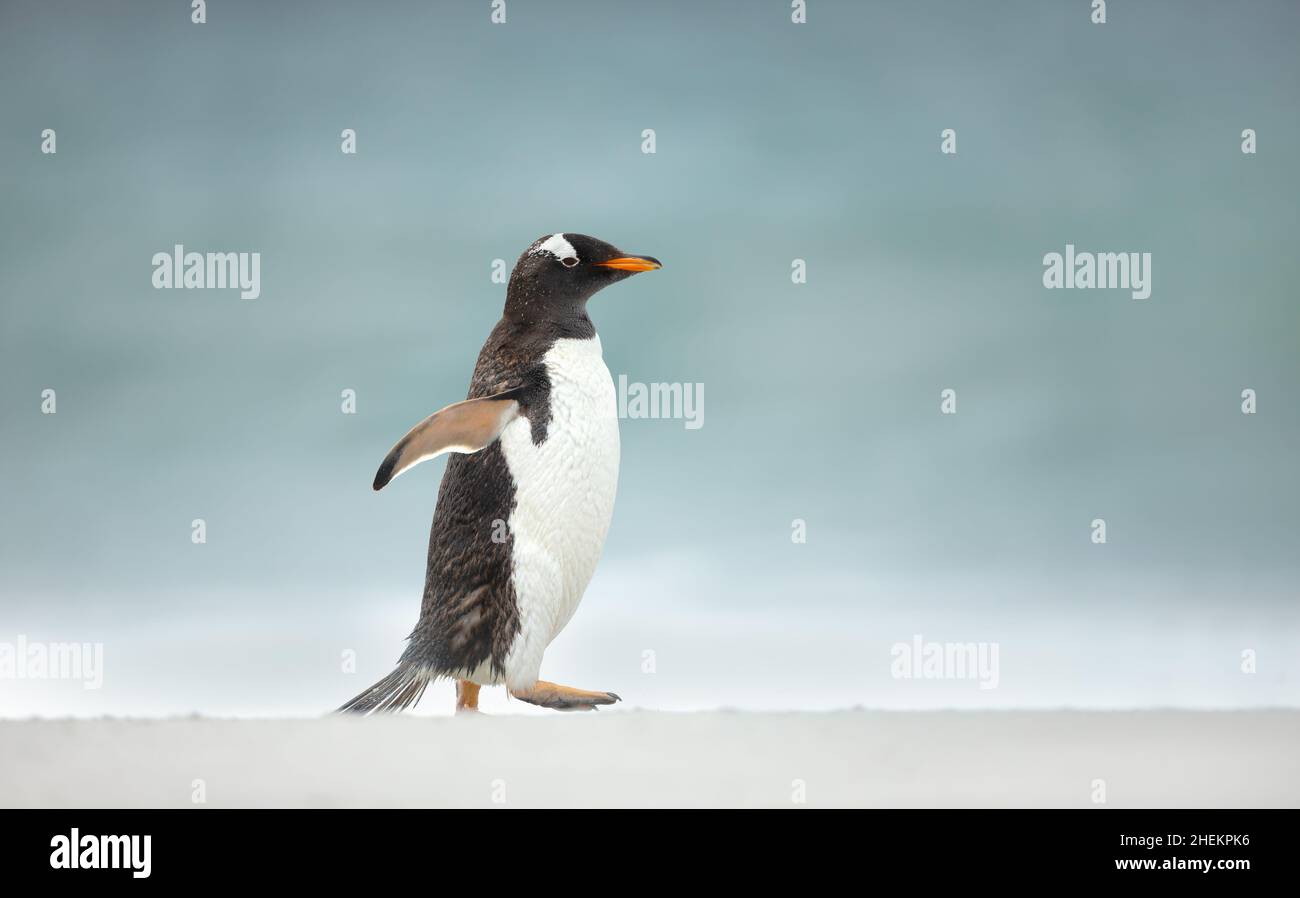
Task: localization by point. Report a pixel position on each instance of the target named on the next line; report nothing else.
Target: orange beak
(632, 263)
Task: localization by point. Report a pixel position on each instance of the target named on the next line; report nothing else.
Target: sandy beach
(657, 759)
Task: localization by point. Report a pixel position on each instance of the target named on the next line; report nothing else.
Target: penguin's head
(560, 272)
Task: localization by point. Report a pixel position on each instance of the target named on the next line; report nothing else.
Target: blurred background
(774, 142)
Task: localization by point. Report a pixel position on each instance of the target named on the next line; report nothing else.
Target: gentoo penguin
(526, 501)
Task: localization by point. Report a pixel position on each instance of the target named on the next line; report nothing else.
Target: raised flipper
(464, 427)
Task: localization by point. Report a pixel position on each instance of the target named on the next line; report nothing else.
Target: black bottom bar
(335, 847)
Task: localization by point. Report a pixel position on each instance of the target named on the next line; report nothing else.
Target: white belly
(564, 498)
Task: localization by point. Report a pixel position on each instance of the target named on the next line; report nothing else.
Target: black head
(556, 276)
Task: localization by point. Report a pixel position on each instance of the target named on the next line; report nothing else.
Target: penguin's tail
(399, 690)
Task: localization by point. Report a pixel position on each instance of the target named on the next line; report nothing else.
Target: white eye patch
(562, 249)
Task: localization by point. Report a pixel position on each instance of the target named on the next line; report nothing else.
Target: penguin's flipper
(463, 427)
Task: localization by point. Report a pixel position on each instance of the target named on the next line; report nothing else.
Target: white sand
(643, 758)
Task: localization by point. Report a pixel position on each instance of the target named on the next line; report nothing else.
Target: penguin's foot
(466, 697)
(564, 698)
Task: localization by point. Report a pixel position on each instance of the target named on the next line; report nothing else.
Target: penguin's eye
(569, 261)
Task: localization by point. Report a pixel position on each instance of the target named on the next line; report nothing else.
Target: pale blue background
(821, 401)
